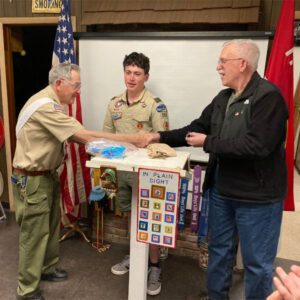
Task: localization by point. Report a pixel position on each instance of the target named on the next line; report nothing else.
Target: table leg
(138, 255)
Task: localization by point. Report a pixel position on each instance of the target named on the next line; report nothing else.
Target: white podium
(139, 251)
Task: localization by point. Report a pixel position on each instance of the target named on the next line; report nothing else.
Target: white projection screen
(182, 73)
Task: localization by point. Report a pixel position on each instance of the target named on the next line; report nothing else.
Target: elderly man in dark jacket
(243, 129)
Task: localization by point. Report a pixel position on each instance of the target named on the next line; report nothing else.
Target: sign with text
(157, 207)
(46, 6)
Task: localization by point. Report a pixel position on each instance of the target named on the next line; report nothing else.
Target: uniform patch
(140, 126)
(58, 107)
(161, 108)
(116, 116)
(144, 105)
(157, 100)
(164, 114)
(166, 125)
(118, 103)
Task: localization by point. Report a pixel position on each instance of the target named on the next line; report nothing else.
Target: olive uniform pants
(36, 200)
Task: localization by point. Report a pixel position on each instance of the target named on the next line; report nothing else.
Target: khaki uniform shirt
(147, 113)
(39, 143)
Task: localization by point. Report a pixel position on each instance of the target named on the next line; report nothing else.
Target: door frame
(7, 84)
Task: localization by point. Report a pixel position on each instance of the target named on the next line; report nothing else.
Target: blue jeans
(258, 228)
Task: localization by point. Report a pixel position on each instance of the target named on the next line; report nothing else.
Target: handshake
(143, 138)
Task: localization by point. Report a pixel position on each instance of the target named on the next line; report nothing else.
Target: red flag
(280, 72)
(74, 175)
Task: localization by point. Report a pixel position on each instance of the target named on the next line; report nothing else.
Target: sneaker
(154, 284)
(122, 267)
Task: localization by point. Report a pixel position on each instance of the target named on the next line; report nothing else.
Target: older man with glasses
(243, 129)
(41, 129)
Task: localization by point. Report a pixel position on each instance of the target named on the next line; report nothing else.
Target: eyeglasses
(75, 85)
(223, 61)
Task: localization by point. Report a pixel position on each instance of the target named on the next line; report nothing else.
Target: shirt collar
(140, 99)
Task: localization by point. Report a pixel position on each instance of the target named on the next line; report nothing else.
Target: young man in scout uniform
(41, 129)
(136, 109)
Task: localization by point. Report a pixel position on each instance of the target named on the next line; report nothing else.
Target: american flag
(74, 176)
(280, 72)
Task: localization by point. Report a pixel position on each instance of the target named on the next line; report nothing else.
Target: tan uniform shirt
(39, 143)
(147, 113)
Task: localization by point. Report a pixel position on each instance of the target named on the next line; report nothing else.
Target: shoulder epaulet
(113, 98)
(157, 100)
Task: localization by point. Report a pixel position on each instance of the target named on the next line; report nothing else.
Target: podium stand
(139, 251)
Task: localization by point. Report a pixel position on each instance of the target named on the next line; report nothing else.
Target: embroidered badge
(118, 103)
(116, 116)
(246, 101)
(58, 107)
(144, 105)
(166, 125)
(161, 108)
(139, 125)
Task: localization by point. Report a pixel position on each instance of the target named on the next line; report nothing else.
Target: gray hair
(247, 49)
(62, 70)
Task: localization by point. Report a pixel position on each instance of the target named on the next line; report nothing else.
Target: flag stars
(58, 40)
(64, 29)
(63, 18)
(65, 51)
(64, 40)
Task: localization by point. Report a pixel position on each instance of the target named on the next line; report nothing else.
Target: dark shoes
(33, 297)
(57, 275)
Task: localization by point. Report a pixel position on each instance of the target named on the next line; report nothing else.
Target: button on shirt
(147, 113)
(39, 143)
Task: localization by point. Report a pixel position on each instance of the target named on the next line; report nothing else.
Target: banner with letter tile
(158, 193)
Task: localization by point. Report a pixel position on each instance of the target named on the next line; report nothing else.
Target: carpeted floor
(289, 246)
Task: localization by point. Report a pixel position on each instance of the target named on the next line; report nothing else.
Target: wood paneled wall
(269, 12)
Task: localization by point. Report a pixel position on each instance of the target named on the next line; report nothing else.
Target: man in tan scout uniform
(136, 109)
(41, 129)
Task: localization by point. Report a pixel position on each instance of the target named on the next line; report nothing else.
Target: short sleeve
(53, 118)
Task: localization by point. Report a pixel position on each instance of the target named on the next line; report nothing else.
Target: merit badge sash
(196, 198)
(203, 223)
(182, 202)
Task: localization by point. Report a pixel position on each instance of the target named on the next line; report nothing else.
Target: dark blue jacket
(247, 142)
